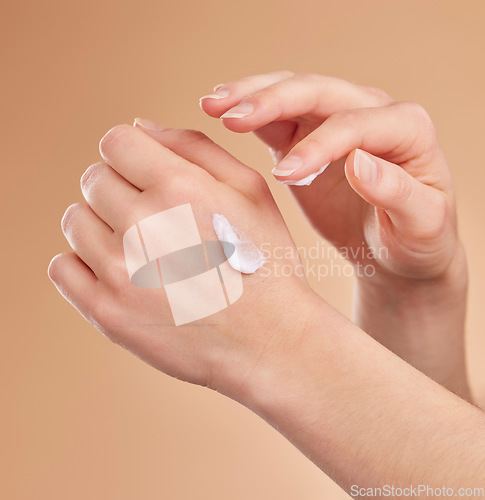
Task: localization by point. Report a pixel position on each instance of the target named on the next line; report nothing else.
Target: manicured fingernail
(287, 166)
(148, 124)
(217, 87)
(306, 181)
(239, 111)
(218, 94)
(365, 167)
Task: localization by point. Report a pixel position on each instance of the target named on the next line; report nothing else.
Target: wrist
(264, 342)
(422, 321)
(348, 404)
(408, 296)
(275, 362)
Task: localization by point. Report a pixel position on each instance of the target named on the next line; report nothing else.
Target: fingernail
(148, 124)
(239, 111)
(306, 181)
(287, 166)
(218, 94)
(365, 167)
(217, 87)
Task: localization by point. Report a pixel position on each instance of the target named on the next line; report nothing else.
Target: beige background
(83, 419)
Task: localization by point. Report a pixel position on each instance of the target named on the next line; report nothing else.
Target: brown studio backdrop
(82, 418)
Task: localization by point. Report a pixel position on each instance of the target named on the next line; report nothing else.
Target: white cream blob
(247, 258)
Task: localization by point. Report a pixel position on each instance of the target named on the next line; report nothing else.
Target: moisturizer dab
(245, 256)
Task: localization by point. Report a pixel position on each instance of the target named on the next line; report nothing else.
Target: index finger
(138, 158)
(315, 97)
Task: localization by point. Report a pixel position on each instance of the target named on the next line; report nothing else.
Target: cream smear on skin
(247, 258)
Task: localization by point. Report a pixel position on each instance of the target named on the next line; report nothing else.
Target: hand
(141, 177)
(394, 193)
(340, 397)
(386, 200)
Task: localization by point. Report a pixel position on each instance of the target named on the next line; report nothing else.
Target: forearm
(363, 415)
(422, 321)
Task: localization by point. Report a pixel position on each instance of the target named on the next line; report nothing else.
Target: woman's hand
(141, 177)
(394, 193)
(340, 397)
(386, 200)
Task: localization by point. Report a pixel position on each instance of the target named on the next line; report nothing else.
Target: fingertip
(242, 110)
(349, 164)
(53, 267)
(73, 279)
(212, 107)
(357, 178)
(362, 166)
(111, 137)
(145, 124)
(215, 104)
(289, 171)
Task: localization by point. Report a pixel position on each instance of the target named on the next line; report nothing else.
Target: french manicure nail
(218, 94)
(148, 124)
(365, 167)
(306, 181)
(239, 111)
(287, 166)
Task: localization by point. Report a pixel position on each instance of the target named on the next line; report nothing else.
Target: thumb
(415, 209)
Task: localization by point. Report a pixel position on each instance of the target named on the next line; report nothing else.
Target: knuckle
(441, 210)
(381, 95)
(113, 136)
(403, 190)
(256, 182)
(425, 133)
(178, 182)
(117, 273)
(68, 221)
(419, 114)
(310, 147)
(307, 76)
(92, 173)
(55, 265)
(263, 97)
(346, 118)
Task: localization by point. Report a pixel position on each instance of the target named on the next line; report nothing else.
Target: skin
(140, 177)
(388, 187)
(343, 399)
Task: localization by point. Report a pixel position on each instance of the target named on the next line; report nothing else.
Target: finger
(228, 95)
(138, 158)
(315, 97)
(111, 196)
(75, 281)
(91, 239)
(198, 149)
(401, 133)
(415, 209)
